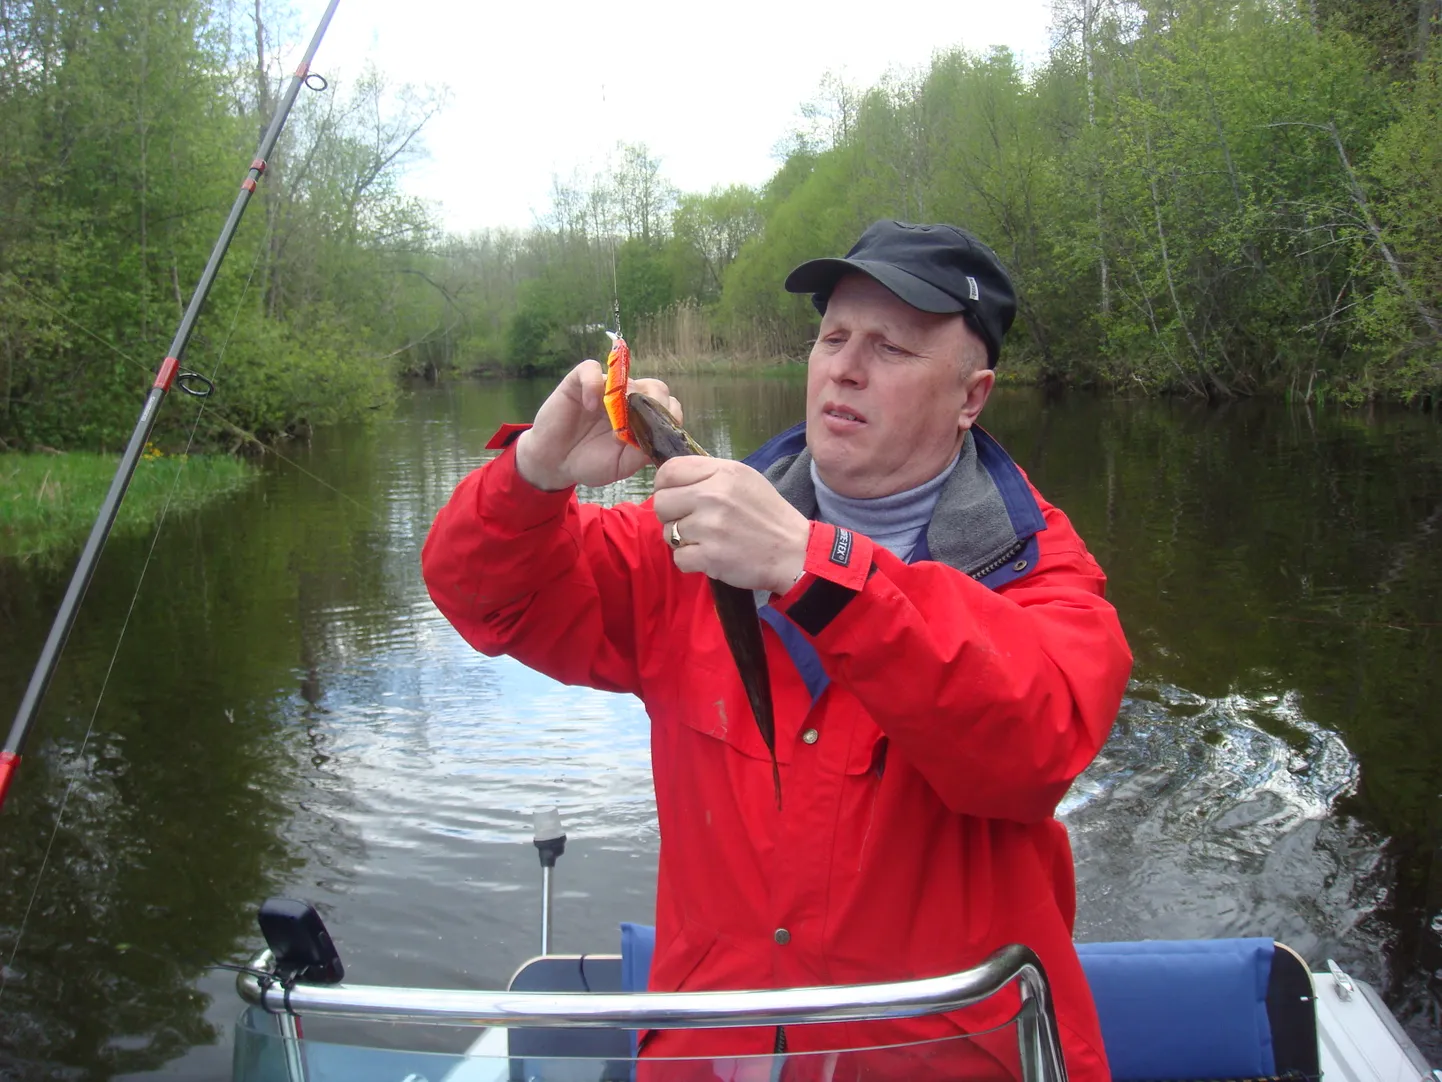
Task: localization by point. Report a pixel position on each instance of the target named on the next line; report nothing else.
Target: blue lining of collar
(1026, 516)
(790, 442)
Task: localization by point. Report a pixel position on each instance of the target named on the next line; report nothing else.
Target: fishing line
(70, 788)
(235, 321)
(611, 229)
(615, 288)
(82, 328)
(268, 449)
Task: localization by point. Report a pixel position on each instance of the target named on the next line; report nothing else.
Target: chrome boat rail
(1038, 1038)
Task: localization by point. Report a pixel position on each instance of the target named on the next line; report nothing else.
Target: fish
(647, 424)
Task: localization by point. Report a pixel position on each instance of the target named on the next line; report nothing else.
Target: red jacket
(929, 717)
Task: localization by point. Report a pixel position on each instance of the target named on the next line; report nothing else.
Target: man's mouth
(842, 413)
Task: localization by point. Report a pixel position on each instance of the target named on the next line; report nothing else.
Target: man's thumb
(593, 385)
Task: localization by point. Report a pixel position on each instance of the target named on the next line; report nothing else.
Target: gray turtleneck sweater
(895, 522)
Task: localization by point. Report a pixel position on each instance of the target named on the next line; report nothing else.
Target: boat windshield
(263, 1054)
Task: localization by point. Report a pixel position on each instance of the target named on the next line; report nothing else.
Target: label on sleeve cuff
(838, 555)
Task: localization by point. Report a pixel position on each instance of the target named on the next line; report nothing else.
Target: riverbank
(48, 502)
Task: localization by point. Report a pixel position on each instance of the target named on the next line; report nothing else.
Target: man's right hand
(571, 441)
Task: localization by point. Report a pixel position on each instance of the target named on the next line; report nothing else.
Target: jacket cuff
(506, 435)
(510, 497)
(838, 563)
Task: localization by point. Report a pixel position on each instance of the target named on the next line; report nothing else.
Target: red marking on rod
(258, 165)
(9, 762)
(166, 376)
(302, 71)
(248, 184)
(505, 436)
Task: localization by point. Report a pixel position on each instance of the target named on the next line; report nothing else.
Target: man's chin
(838, 469)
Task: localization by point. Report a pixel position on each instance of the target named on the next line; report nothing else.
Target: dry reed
(684, 339)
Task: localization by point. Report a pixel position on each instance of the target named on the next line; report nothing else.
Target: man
(942, 659)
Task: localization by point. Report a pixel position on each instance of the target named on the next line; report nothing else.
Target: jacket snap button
(782, 936)
(810, 736)
(1020, 565)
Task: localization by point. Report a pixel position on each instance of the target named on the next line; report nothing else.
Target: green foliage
(120, 149)
(536, 338)
(1398, 31)
(1209, 199)
(1213, 199)
(709, 232)
(1407, 162)
(645, 279)
(1179, 193)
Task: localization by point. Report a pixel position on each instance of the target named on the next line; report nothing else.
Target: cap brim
(819, 276)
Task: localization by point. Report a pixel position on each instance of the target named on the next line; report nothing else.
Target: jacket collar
(986, 518)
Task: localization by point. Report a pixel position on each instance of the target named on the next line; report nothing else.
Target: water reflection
(290, 713)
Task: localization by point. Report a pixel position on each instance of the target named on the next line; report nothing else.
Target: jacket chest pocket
(711, 701)
(836, 736)
(701, 688)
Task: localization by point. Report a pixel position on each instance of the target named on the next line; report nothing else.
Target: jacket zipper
(1005, 558)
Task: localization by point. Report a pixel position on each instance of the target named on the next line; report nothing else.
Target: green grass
(48, 503)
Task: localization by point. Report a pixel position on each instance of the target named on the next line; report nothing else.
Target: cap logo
(971, 284)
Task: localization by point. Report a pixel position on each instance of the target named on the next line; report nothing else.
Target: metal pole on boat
(169, 374)
(290, 1037)
(550, 842)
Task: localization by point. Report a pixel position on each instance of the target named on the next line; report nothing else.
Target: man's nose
(848, 364)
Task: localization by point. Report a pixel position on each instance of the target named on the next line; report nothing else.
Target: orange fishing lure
(618, 373)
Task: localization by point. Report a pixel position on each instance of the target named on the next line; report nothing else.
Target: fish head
(656, 430)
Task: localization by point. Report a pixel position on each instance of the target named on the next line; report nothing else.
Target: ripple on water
(1234, 833)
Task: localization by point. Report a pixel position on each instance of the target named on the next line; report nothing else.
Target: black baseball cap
(936, 268)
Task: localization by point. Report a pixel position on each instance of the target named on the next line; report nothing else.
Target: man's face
(890, 390)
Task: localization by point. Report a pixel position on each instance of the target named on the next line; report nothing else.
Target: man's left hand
(734, 526)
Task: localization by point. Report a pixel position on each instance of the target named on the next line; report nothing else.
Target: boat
(1171, 1011)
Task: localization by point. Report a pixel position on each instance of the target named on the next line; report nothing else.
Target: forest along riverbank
(48, 501)
(288, 714)
(1230, 198)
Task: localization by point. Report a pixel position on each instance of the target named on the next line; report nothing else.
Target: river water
(287, 713)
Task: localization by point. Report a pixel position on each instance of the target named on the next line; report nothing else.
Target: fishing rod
(170, 374)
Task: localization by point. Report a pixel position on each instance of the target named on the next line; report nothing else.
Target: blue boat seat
(1170, 1010)
(1189, 1009)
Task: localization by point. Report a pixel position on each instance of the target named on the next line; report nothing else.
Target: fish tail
(742, 627)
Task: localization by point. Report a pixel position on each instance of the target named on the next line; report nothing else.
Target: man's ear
(979, 383)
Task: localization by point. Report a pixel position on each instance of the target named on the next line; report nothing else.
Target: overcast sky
(543, 88)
